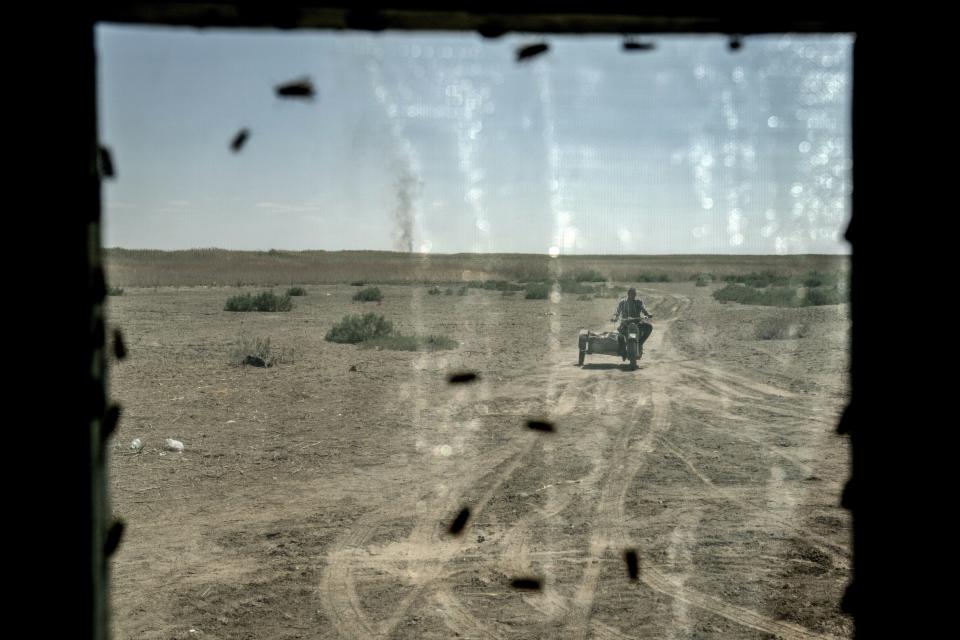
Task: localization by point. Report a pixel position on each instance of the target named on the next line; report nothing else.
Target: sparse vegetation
(296, 291)
(372, 331)
(370, 294)
(246, 348)
(410, 343)
(780, 296)
(703, 280)
(448, 292)
(219, 267)
(652, 277)
(353, 329)
(434, 291)
(508, 293)
(266, 301)
(779, 329)
(760, 280)
(590, 275)
(574, 287)
(462, 291)
(114, 291)
(583, 298)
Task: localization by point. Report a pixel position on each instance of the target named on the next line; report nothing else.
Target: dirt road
(312, 501)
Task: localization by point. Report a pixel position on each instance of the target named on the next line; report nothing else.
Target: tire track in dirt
(566, 392)
(612, 515)
(620, 472)
(424, 546)
(514, 554)
(658, 581)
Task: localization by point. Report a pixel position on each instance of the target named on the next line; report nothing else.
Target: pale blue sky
(443, 143)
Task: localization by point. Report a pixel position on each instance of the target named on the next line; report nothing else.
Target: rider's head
(631, 293)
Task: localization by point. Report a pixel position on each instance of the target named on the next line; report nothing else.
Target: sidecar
(605, 343)
(608, 343)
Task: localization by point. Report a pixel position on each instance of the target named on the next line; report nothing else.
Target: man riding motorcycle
(632, 307)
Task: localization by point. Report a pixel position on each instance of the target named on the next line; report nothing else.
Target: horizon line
(479, 253)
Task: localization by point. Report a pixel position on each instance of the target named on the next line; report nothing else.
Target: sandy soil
(312, 501)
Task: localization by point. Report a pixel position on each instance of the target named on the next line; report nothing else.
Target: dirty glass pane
(373, 385)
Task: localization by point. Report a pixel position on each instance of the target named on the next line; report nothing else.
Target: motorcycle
(626, 342)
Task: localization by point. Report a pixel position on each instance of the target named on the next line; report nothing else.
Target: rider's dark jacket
(628, 308)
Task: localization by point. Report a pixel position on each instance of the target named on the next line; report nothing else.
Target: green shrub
(703, 280)
(652, 277)
(434, 291)
(266, 301)
(502, 285)
(296, 291)
(448, 292)
(538, 291)
(818, 279)
(358, 283)
(759, 280)
(824, 295)
(462, 291)
(353, 329)
(370, 294)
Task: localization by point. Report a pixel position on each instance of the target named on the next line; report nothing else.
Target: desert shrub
(779, 329)
(590, 275)
(475, 284)
(260, 348)
(508, 293)
(652, 277)
(410, 343)
(114, 291)
(266, 301)
(434, 291)
(353, 329)
(818, 279)
(759, 280)
(296, 291)
(538, 291)
(448, 291)
(824, 295)
(584, 297)
(502, 285)
(357, 283)
(703, 280)
(462, 291)
(370, 294)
